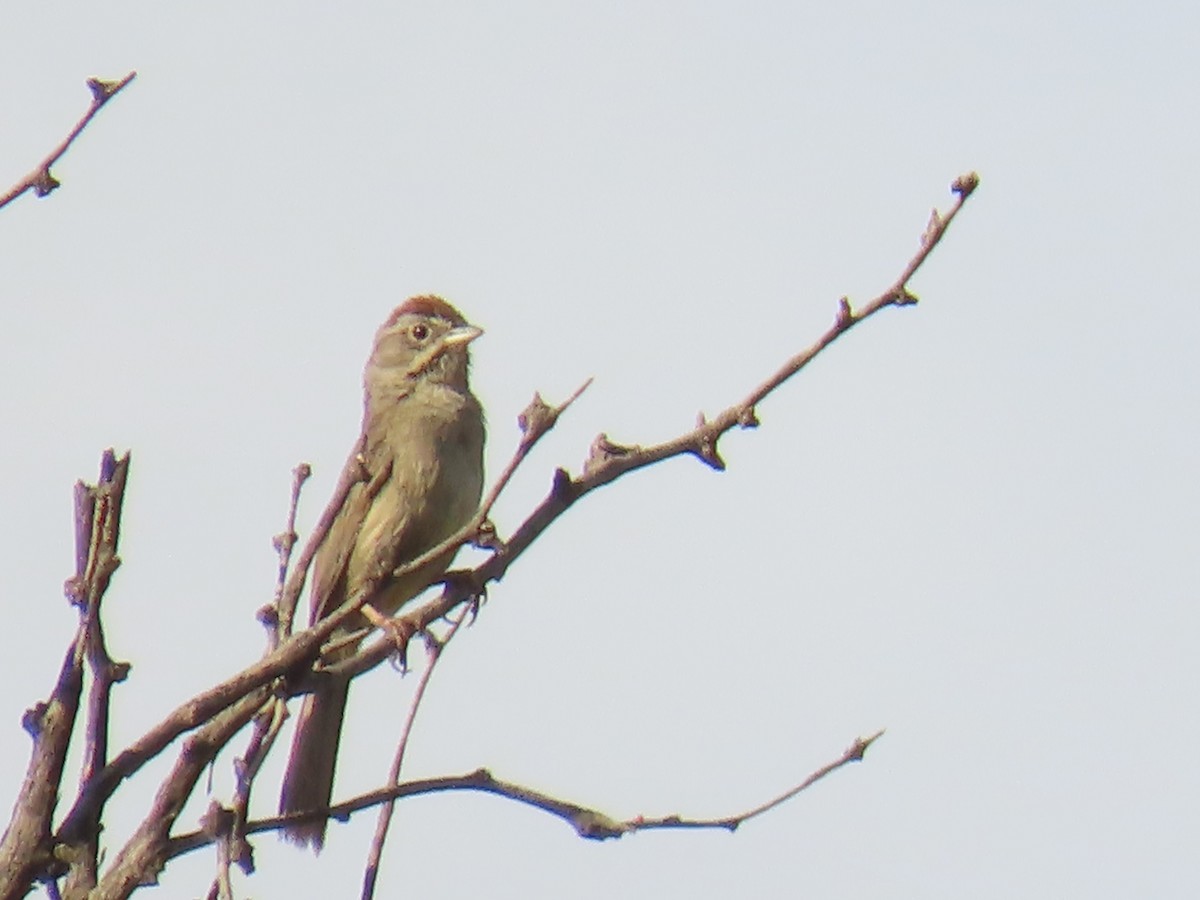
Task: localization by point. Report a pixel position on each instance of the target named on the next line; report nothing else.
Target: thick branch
(102, 508)
(191, 714)
(25, 850)
(145, 854)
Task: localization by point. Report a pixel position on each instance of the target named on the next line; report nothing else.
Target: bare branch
(217, 714)
(854, 753)
(286, 606)
(218, 823)
(608, 461)
(433, 649)
(196, 711)
(232, 845)
(586, 821)
(26, 849)
(284, 542)
(267, 723)
(144, 854)
(249, 682)
(40, 181)
(101, 507)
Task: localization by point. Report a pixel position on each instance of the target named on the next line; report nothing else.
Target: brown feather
(308, 782)
(426, 305)
(413, 482)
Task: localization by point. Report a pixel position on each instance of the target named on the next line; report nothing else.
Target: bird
(417, 473)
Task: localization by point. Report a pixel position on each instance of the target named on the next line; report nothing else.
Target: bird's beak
(463, 334)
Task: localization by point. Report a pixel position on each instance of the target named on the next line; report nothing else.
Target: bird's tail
(308, 782)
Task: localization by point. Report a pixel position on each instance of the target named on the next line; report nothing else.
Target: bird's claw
(397, 632)
(461, 587)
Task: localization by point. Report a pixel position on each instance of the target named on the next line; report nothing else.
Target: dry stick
(218, 822)
(267, 721)
(105, 501)
(284, 542)
(534, 421)
(215, 705)
(587, 822)
(284, 609)
(202, 707)
(40, 180)
(225, 709)
(193, 713)
(595, 825)
(145, 853)
(606, 463)
(26, 851)
(854, 753)
(434, 648)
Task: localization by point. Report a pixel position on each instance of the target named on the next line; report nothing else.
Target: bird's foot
(397, 632)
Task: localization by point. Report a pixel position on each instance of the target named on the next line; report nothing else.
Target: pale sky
(973, 522)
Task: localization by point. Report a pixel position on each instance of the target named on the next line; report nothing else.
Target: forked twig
(26, 850)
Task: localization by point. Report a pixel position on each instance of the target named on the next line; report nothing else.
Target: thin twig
(534, 422)
(284, 543)
(286, 605)
(267, 723)
(434, 648)
(40, 181)
(853, 753)
(234, 847)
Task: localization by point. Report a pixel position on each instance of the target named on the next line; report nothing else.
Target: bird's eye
(419, 332)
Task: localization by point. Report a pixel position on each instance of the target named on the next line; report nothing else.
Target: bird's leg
(397, 633)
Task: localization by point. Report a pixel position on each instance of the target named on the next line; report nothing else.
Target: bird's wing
(367, 470)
